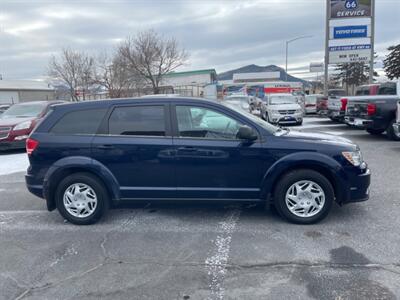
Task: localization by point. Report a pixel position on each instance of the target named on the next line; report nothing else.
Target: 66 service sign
(350, 37)
(350, 8)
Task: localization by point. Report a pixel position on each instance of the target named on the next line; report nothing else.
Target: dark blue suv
(85, 157)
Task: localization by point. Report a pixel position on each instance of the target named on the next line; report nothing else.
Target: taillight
(344, 104)
(31, 145)
(371, 109)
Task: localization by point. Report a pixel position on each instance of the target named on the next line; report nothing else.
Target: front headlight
(299, 111)
(23, 125)
(355, 158)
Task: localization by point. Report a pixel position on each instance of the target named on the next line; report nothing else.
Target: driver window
(198, 122)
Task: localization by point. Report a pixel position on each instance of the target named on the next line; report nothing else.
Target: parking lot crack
(390, 267)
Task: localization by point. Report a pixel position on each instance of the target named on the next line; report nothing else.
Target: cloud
(220, 34)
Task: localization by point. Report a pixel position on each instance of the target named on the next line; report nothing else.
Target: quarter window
(79, 122)
(137, 120)
(197, 122)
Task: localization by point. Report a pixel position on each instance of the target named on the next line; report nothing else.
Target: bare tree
(152, 56)
(75, 69)
(113, 74)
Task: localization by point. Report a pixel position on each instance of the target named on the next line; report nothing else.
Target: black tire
(96, 185)
(375, 131)
(391, 135)
(300, 123)
(298, 175)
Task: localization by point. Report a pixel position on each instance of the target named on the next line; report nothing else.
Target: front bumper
(358, 187)
(287, 119)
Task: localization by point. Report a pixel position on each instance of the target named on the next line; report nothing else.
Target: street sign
(316, 67)
(349, 34)
(349, 56)
(350, 31)
(345, 32)
(350, 8)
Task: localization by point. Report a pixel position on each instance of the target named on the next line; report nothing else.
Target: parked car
(241, 102)
(311, 103)
(336, 104)
(3, 108)
(87, 156)
(17, 122)
(322, 105)
(282, 109)
(376, 114)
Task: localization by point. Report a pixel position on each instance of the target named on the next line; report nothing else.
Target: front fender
(304, 160)
(81, 163)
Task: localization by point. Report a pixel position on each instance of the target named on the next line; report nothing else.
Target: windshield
(274, 100)
(264, 124)
(311, 99)
(337, 93)
(23, 111)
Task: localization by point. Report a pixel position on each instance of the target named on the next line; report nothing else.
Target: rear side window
(137, 120)
(79, 122)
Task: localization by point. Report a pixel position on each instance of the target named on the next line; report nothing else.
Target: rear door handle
(105, 147)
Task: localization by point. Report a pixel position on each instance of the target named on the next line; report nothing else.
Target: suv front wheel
(81, 199)
(304, 196)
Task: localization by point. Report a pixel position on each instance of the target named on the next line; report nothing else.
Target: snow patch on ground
(216, 264)
(13, 163)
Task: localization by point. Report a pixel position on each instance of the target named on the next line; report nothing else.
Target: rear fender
(70, 164)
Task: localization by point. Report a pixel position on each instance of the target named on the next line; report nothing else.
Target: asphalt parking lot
(203, 250)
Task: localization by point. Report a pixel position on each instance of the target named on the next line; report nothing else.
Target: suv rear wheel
(81, 199)
(304, 196)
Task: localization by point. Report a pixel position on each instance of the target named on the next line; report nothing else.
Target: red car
(17, 122)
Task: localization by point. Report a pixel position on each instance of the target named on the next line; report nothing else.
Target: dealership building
(15, 91)
(190, 83)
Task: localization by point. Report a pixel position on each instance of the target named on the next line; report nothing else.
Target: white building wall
(191, 79)
(9, 97)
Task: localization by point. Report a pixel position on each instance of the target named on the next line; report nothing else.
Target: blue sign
(346, 32)
(351, 4)
(350, 47)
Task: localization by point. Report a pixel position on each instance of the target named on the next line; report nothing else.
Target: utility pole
(326, 60)
(371, 64)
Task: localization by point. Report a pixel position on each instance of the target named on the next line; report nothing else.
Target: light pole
(287, 48)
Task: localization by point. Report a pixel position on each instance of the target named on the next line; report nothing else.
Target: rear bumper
(7, 145)
(33, 186)
(359, 122)
(336, 114)
(358, 188)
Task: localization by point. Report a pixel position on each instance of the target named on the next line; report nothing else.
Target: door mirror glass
(246, 133)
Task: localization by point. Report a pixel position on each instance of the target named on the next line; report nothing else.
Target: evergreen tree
(392, 62)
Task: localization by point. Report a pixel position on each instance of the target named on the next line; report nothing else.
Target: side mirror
(247, 133)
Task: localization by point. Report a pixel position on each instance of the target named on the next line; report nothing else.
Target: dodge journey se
(85, 157)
